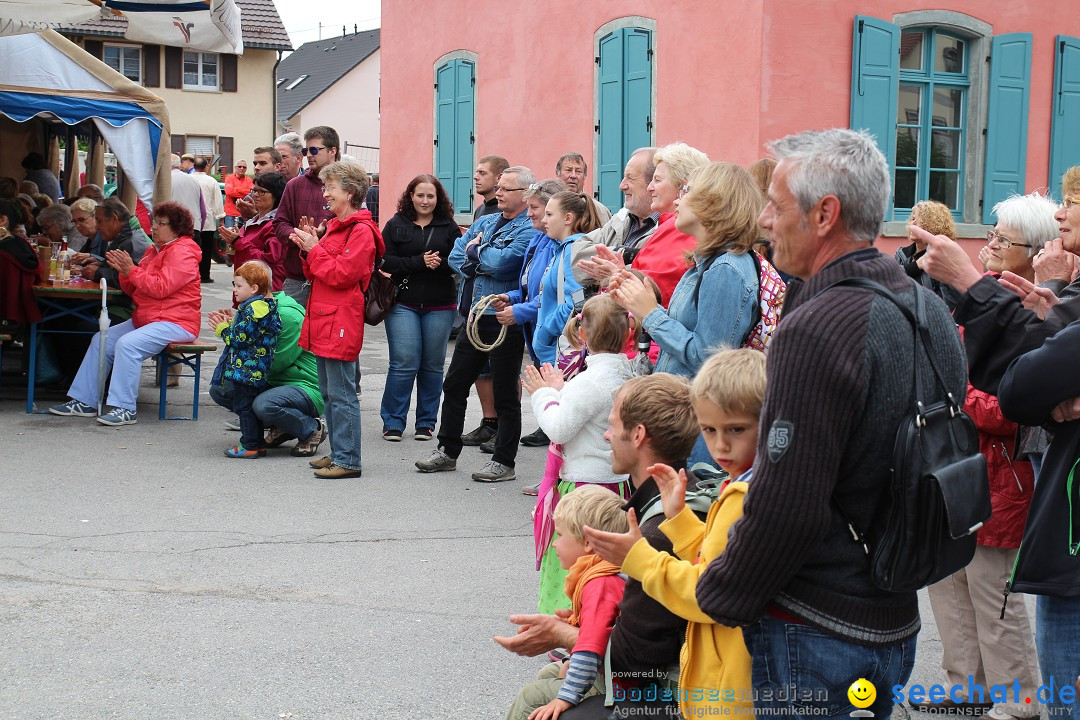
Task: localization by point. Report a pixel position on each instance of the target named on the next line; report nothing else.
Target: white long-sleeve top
(576, 417)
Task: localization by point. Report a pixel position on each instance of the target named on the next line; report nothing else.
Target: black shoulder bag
(939, 495)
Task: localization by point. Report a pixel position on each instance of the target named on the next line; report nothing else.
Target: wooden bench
(183, 355)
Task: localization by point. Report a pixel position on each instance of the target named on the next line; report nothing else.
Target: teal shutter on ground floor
(625, 120)
(875, 82)
(1007, 129)
(455, 124)
(1064, 136)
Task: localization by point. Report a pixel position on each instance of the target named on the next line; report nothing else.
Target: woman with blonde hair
(714, 303)
(935, 218)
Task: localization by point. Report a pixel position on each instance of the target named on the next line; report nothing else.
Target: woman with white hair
(977, 639)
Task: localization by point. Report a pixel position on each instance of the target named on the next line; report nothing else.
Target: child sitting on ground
(574, 416)
(727, 394)
(596, 589)
(250, 340)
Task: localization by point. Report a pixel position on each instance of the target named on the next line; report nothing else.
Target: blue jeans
(251, 427)
(1057, 641)
(337, 382)
(820, 667)
(417, 340)
(286, 407)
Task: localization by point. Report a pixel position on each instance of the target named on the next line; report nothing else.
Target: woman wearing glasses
(419, 238)
(339, 267)
(997, 648)
(256, 240)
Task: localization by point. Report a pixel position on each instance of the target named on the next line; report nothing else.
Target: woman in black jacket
(419, 239)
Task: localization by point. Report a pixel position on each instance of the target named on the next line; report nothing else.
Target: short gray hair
(57, 214)
(843, 163)
(544, 189)
(650, 166)
(525, 175)
(85, 204)
(1031, 215)
(352, 178)
(292, 140)
(174, 160)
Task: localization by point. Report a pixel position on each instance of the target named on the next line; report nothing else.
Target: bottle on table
(64, 262)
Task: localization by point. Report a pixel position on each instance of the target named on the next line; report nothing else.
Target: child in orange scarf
(596, 588)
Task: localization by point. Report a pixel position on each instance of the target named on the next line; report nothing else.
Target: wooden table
(80, 299)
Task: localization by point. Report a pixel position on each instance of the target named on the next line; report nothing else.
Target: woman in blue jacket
(519, 307)
(712, 307)
(568, 216)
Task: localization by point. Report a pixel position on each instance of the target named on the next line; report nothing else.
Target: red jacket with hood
(339, 269)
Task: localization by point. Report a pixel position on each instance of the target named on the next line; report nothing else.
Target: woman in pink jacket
(339, 267)
(166, 292)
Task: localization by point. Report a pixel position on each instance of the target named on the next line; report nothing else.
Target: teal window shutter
(875, 82)
(610, 143)
(625, 123)
(445, 81)
(1007, 131)
(455, 124)
(464, 136)
(1064, 138)
(637, 113)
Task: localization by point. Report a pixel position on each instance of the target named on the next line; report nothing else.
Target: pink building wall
(729, 75)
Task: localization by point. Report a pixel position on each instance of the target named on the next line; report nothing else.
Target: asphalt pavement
(145, 575)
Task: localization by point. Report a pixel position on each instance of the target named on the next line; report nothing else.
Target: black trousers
(465, 367)
(205, 239)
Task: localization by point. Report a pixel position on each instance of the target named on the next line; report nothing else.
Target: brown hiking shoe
(310, 446)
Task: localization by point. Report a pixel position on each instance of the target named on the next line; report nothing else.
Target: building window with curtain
(931, 119)
(124, 59)
(201, 70)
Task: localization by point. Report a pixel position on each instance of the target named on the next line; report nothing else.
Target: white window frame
(200, 87)
(122, 48)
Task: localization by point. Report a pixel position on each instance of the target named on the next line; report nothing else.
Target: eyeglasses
(500, 188)
(993, 238)
(1069, 202)
(683, 190)
(256, 190)
(313, 150)
(157, 222)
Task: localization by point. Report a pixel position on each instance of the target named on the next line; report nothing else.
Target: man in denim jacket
(488, 259)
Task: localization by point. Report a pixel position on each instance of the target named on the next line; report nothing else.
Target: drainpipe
(273, 79)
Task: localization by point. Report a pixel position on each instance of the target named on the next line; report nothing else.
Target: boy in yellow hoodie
(727, 393)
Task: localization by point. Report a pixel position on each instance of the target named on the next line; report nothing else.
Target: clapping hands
(548, 376)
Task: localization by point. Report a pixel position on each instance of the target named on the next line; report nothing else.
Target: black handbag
(380, 296)
(939, 495)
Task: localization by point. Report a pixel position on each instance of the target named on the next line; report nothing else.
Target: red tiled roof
(259, 22)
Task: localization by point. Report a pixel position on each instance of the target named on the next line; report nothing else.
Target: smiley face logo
(862, 693)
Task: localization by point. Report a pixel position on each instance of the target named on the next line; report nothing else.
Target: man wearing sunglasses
(303, 197)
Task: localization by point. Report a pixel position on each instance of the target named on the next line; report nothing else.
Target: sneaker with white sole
(74, 408)
(437, 461)
(117, 417)
(233, 425)
(309, 447)
(494, 472)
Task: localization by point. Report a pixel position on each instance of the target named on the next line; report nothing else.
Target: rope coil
(472, 329)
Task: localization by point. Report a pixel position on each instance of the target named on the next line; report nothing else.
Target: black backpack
(925, 528)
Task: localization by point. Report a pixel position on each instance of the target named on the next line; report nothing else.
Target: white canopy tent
(209, 25)
(45, 77)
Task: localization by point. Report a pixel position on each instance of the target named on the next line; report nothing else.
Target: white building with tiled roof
(335, 82)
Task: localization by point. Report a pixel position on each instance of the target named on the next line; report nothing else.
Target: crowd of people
(695, 523)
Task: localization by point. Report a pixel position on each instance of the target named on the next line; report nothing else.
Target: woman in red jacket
(256, 240)
(166, 292)
(339, 267)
